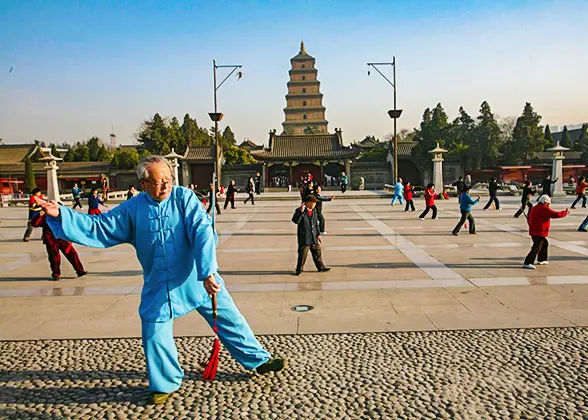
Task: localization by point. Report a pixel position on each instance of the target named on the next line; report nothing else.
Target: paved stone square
(391, 273)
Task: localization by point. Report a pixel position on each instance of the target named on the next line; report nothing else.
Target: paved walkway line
(433, 267)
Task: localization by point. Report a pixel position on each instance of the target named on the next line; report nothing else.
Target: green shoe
(159, 398)
(275, 364)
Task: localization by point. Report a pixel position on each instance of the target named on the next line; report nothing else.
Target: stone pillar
(51, 167)
(557, 170)
(186, 176)
(437, 153)
(348, 172)
(173, 159)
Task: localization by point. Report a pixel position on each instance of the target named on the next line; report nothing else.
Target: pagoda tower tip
(302, 49)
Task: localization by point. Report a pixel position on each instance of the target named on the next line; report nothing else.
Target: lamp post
(217, 116)
(393, 113)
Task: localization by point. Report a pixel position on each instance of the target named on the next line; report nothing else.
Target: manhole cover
(302, 308)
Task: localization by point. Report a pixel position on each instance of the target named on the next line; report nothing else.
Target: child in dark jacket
(94, 202)
(306, 217)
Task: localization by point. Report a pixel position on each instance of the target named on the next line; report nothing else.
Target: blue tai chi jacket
(174, 241)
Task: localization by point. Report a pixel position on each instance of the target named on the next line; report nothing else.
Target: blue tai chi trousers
(397, 197)
(163, 368)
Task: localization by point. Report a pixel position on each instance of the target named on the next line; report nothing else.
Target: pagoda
(305, 113)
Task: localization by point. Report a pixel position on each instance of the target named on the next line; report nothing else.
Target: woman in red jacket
(539, 223)
(408, 196)
(430, 196)
(581, 192)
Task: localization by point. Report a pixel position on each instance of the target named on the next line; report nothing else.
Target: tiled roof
(200, 153)
(405, 147)
(249, 145)
(305, 147)
(69, 167)
(14, 153)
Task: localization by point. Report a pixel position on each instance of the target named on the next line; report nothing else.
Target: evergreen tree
(125, 158)
(69, 155)
(236, 156)
(460, 139)
(487, 139)
(175, 137)
(566, 141)
(228, 138)
(94, 148)
(82, 153)
(581, 144)
(153, 134)
(193, 134)
(549, 141)
(54, 151)
(104, 155)
(527, 138)
(30, 183)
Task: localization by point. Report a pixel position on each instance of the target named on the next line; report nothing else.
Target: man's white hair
(544, 199)
(145, 164)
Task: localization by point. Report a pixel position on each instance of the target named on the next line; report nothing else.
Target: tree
(486, 142)
(237, 156)
(527, 137)
(153, 134)
(30, 183)
(549, 141)
(175, 136)
(461, 137)
(227, 139)
(434, 129)
(193, 134)
(125, 158)
(82, 153)
(375, 154)
(94, 148)
(54, 151)
(69, 155)
(566, 141)
(104, 155)
(581, 144)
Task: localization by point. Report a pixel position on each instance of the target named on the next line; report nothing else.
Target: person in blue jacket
(175, 243)
(398, 191)
(465, 206)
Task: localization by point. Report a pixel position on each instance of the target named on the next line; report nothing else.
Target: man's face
(38, 194)
(159, 184)
(310, 205)
(75, 185)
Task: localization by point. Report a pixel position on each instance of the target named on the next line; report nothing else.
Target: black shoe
(324, 269)
(82, 273)
(297, 273)
(582, 230)
(275, 364)
(454, 233)
(573, 207)
(54, 277)
(473, 233)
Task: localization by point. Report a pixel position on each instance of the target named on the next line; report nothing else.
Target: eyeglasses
(162, 183)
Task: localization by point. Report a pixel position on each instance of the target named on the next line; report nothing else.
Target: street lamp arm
(229, 75)
(378, 70)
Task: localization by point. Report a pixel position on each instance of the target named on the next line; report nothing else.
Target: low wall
(240, 173)
(376, 174)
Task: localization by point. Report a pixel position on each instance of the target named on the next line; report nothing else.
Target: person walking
(231, 191)
(528, 191)
(213, 198)
(257, 184)
(309, 238)
(430, 196)
(250, 188)
(581, 192)
(398, 189)
(539, 224)
(408, 191)
(179, 261)
(319, 207)
(547, 185)
(465, 206)
(94, 203)
(54, 246)
(344, 180)
(76, 192)
(493, 191)
(34, 210)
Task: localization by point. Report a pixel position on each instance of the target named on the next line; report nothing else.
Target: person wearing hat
(539, 223)
(465, 206)
(306, 217)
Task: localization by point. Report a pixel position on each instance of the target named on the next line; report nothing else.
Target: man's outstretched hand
(211, 286)
(51, 208)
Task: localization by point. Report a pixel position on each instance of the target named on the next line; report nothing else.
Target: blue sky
(81, 67)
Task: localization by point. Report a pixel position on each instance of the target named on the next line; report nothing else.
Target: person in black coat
(459, 184)
(493, 190)
(546, 184)
(231, 191)
(306, 217)
(212, 197)
(528, 191)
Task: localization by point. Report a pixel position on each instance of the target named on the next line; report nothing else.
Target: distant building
(249, 145)
(574, 134)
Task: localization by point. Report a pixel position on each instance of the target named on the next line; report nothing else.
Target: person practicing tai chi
(176, 245)
(306, 217)
(34, 210)
(250, 190)
(94, 203)
(76, 192)
(459, 185)
(547, 185)
(398, 189)
(430, 196)
(465, 206)
(493, 191)
(584, 226)
(581, 192)
(319, 207)
(212, 197)
(54, 246)
(231, 191)
(528, 191)
(408, 191)
(539, 224)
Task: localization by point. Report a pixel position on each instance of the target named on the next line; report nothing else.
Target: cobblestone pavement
(533, 373)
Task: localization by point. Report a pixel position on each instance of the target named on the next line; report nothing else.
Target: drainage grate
(302, 308)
